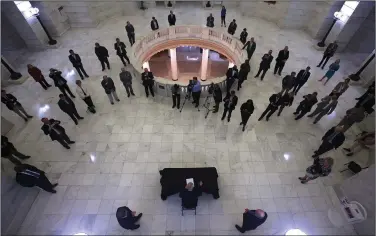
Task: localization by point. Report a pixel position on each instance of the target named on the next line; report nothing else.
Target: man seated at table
(189, 196)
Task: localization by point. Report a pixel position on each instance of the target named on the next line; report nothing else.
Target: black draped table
(173, 180)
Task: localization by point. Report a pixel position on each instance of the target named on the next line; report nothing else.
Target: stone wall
(54, 20)
(363, 40)
(10, 39)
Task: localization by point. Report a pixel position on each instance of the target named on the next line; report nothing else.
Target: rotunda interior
(142, 125)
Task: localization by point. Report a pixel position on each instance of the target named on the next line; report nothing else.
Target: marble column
(8, 70)
(366, 70)
(174, 64)
(204, 63)
(29, 29)
(6, 126)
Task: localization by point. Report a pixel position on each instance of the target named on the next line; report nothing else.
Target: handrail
(217, 36)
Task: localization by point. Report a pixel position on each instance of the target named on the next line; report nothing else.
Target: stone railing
(172, 37)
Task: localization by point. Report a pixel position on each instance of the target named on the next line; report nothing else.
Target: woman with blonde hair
(332, 69)
(320, 167)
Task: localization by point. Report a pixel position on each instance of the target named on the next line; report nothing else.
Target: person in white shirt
(84, 94)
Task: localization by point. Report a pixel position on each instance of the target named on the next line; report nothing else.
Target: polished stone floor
(119, 150)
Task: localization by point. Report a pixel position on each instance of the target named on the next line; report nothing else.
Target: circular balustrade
(185, 35)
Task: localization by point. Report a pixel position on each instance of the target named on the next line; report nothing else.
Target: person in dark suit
(154, 24)
(110, 89)
(30, 176)
(275, 101)
(231, 74)
(306, 105)
(229, 105)
(147, 78)
(68, 106)
(371, 89)
(12, 104)
(288, 82)
(325, 107)
(121, 52)
(75, 59)
(250, 46)
(171, 19)
(266, 60)
(232, 27)
(56, 131)
(127, 218)
(210, 21)
(196, 91)
(189, 195)
(130, 33)
(8, 151)
(287, 100)
(38, 76)
(102, 54)
(353, 115)
(367, 102)
(333, 138)
(126, 79)
(252, 219)
(340, 88)
(246, 110)
(328, 53)
(175, 91)
(243, 36)
(245, 68)
(301, 79)
(60, 82)
(283, 55)
(217, 96)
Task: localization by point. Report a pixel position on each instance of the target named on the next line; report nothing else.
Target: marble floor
(119, 150)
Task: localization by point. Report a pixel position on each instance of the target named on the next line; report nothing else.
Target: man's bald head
(260, 213)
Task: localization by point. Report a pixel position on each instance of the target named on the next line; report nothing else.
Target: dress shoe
(241, 123)
(243, 128)
(295, 113)
(173, 106)
(29, 116)
(80, 118)
(239, 229)
(54, 185)
(315, 122)
(71, 142)
(256, 76)
(112, 103)
(53, 191)
(26, 157)
(86, 76)
(129, 95)
(347, 149)
(259, 119)
(103, 69)
(49, 85)
(67, 147)
(26, 120)
(133, 94)
(118, 100)
(350, 154)
(222, 118)
(318, 66)
(301, 178)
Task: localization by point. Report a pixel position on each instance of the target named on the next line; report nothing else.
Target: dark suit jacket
(250, 49)
(128, 221)
(288, 82)
(6, 146)
(147, 78)
(152, 25)
(282, 56)
(101, 52)
(120, 49)
(171, 19)
(300, 79)
(232, 27)
(338, 140)
(56, 77)
(108, 85)
(246, 109)
(286, 100)
(75, 60)
(229, 73)
(189, 199)
(266, 60)
(251, 222)
(31, 179)
(210, 21)
(129, 29)
(217, 95)
(52, 133)
(331, 49)
(234, 102)
(308, 102)
(66, 107)
(10, 101)
(275, 100)
(243, 36)
(245, 68)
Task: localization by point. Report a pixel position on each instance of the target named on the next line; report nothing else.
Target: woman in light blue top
(332, 69)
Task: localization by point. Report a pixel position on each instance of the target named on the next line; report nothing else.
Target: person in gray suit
(353, 115)
(340, 88)
(325, 107)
